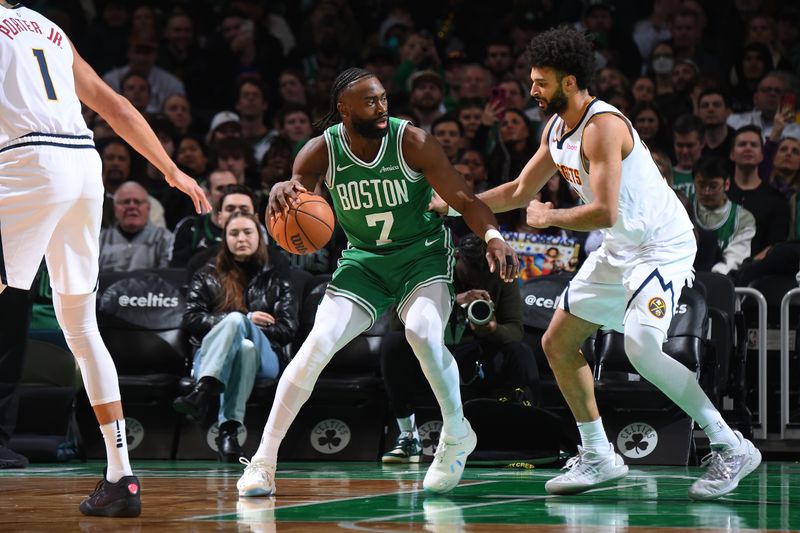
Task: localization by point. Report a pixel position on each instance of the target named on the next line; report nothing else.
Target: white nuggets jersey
(649, 211)
(38, 87)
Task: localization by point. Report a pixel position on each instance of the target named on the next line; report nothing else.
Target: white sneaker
(258, 478)
(725, 469)
(449, 460)
(587, 470)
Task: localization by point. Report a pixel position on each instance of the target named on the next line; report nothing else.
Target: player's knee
(642, 346)
(422, 333)
(552, 345)
(321, 340)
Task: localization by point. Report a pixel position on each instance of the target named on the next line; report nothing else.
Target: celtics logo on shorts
(657, 307)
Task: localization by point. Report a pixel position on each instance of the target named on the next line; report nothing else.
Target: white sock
(408, 426)
(593, 436)
(116, 450)
(720, 434)
(289, 398)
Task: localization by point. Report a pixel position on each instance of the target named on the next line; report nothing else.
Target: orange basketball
(306, 227)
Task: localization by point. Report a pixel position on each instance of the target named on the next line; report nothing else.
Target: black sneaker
(120, 499)
(11, 459)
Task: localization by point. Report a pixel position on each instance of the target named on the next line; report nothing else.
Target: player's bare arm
(309, 166)
(606, 140)
(129, 124)
(423, 153)
(515, 194)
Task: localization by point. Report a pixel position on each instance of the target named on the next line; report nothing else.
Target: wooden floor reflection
(201, 497)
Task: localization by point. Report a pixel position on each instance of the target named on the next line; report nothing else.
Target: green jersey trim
(330, 175)
(371, 311)
(346, 147)
(410, 174)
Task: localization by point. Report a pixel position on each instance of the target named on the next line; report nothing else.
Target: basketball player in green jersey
(380, 171)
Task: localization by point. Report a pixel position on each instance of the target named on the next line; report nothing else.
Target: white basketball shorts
(51, 202)
(608, 291)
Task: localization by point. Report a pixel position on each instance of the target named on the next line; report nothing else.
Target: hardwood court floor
(201, 497)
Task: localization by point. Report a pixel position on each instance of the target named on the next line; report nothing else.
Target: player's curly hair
(342, 82)
(566, 50)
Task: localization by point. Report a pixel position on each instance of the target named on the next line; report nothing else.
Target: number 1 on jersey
(387, 219)
(48, 82)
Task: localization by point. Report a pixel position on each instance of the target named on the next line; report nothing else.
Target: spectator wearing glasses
(133, 242)
(732, 224)
(766, 104)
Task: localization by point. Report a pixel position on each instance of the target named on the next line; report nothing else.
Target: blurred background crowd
(234, 88)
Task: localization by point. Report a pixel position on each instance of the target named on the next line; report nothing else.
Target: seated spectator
(178, 112)
(235, 199)
(117, 159)
(768, 206)
(450, 134)
(713, 108)
(785, 174)
(252, 105)
(766, 103)
(688, 141)
(492, 357)
(192, 157)
(244, 313)
(198, 232)
(133, 242)
(295, 125)
(224, 124)
(476, 161)
(142, 54)
(236, 155)
(733, 225)
(136, 89)
(651, 127)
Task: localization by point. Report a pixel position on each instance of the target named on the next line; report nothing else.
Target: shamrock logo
(432, 440)
(330, 439)
(637, 443)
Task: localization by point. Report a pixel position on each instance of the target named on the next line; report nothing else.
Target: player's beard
(557, 103)
(368, 129)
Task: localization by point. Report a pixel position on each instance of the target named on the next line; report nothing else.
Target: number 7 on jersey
(387, 219)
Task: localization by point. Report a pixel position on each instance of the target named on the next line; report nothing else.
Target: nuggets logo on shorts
(657, 307)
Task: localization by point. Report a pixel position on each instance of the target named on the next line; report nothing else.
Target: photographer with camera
(486, 338)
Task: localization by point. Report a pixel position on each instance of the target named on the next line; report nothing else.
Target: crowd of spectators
(233, 90)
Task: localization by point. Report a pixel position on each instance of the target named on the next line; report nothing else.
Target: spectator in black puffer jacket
(245, 312)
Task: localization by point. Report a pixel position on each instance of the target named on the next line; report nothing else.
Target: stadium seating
(139, 316)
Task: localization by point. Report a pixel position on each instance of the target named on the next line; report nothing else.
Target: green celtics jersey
(382, 204)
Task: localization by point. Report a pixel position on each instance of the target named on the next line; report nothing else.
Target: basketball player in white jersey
(51, 197)
(632, 282)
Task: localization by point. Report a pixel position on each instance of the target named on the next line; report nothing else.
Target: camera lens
(480, 312)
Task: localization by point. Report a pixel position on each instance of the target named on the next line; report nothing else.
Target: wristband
(493, 234)
(452, 212)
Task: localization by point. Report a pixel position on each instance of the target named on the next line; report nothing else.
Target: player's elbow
(606, 216)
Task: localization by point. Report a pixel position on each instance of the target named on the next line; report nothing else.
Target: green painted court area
(370, 496)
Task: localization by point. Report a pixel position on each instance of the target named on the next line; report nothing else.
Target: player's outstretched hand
(501, 256)
(189, 186)
(281, 196)
(438, 205)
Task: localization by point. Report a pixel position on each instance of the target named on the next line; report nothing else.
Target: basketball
(306, 227)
